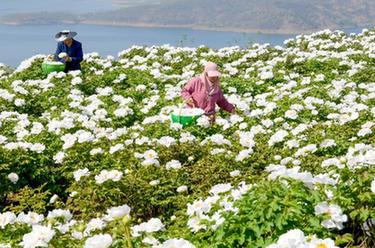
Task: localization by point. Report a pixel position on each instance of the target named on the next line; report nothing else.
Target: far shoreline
(162, 26)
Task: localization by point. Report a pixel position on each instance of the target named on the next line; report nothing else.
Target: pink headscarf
(211, 70)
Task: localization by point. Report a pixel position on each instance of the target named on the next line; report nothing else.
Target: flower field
(91, 159)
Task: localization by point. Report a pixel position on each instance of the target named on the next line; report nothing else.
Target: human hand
(212, 118)
(190, 102)
(68, 59)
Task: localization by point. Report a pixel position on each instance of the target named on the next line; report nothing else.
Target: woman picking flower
(204, 92)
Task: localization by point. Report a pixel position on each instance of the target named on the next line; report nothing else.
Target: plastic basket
(48, 68)
(185, 120)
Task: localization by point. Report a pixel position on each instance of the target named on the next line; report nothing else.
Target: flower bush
(91, 158)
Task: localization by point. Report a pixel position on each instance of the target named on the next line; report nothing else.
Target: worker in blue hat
(69, 50)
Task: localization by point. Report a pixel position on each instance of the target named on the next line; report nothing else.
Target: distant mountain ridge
(268, 16)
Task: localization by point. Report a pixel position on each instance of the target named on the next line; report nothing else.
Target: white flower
(122, 112)
(220, 188)
(62, 55)
(153, 225)
(363, 132)
(334, 212)
(57, 213)
(37, 128)
(117, 212)
(176, 126)
(218, 139)
(217, 151)
(96, 151)
(198, 207)
(322, 243)
(203, 121)
(292, 143)
(167, 141)
(195, 224)
(235, 173)
(332, 161)
(188, 111)
(150, 241)
(174, 164)
(173, 243)
(59, 157)
(150, 154)
(116, 148)
(373, 186)
(3, 139)
(328, 143)
(154, 182)
(7, 218)
(266, 75)
(105, 175)
(39, 148)
(76, 80)
(81, 173)
(13, 177)
(30, 218)
(53, 199)
(243, 155)
(94, 224)
(19, 102)
(77, 235)
(140, 88)
(99, 241)
(292, 239)
(149, 162)
(73, 194)
(324, 179)
(40, 236)
(291, 114)
(182, 188)
(277, 137)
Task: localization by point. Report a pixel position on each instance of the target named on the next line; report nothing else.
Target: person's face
(214, 79)
(68, 42)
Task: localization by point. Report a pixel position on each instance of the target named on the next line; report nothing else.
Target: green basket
(185, 120)
(48, 68)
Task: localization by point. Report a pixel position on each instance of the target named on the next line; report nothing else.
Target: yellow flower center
(321, 245)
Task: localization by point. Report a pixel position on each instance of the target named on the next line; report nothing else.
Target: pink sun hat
(212, 70)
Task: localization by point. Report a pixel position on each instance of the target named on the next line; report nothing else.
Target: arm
(188, 89)
(58, 51)
(224, 104)
(79, 57)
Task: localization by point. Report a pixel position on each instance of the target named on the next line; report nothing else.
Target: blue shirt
(74, 51)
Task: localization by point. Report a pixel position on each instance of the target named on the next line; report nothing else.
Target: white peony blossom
(40, 236)
(117, 212)
(174, 164)
(81, 173)
(182, 188)
(6, 219)
(334, 212)
(13, 177)
(99, 241)
(172, 243)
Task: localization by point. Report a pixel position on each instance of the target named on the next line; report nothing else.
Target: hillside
(268, 16)
(250, 15)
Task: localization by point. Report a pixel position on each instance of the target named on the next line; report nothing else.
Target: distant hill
(268, 16)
